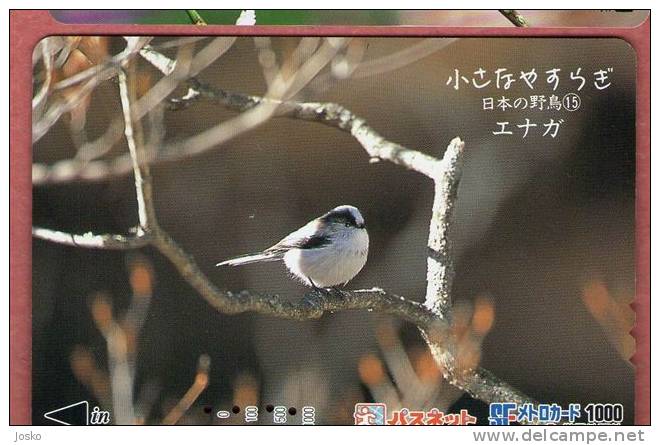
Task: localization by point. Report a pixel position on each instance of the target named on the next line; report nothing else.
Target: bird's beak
(361, 226)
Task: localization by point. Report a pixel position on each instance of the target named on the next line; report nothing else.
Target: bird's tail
(260, 257)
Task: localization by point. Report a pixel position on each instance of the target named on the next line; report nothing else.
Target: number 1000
(604, 412)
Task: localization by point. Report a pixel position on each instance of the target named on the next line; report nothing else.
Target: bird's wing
(307, 237)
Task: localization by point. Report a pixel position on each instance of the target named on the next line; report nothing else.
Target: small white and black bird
(326, 252)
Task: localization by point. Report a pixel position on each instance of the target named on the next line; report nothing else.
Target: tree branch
(312, 306)
(446, 173)
(514, 17)
(433, 318)
(440, 269)
(89, 240)
(146, 212)
(90, 78)
(330, 114)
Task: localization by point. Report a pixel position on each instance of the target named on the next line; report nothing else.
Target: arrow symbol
(69, 414)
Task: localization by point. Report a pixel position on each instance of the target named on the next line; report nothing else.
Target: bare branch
(210, 53)
(440, 270)
(175, 70)
(515, 17)
(164, 64)
(176, 42)
(399, 59)
(142, 187)
(121, 376)
(436, 329)
(262, 111)
(98, 73)
(42, 94)
(70, 170)
(267, 58)
(484, 385)
(446, 175)
(199, 385)
(91, 78)
(330, 114)
(89, 240)
(433, 318)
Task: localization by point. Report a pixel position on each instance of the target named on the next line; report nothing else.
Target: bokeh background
(543, 243)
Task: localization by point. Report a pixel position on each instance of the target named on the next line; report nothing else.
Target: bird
(326, 252)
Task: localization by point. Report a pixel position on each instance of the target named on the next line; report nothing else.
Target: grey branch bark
(440, 268)
(326, 113)
(89, 240)
(433, 317)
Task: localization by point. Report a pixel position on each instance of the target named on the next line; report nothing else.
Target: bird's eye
(347, 224)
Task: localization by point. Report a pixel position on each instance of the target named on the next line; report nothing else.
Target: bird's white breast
(331, 265)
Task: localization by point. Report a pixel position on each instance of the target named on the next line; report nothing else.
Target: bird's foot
(319, 290)
(335, 290)
(327, 291)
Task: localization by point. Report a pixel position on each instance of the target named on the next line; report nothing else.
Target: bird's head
(345, 216)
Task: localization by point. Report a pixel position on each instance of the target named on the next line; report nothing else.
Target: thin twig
(119, 369)
(330, 114)
(89, 78)
(199, 385)
(195, 17)
(267, 58)
(401, 58)
(89, 240)
(479, 383)
(432, 318)
(515, 17)
(44, 89)
(140, 184)
(280, 89)
(100, 72)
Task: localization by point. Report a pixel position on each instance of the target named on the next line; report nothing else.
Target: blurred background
(452, 17)
(543, 237)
